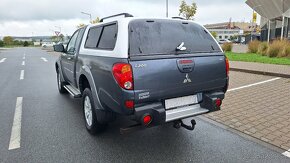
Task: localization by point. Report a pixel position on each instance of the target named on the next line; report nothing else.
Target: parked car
(152, 71)
(47, 44)
(222, 41)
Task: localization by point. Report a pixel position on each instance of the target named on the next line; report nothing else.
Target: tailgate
(159, 79)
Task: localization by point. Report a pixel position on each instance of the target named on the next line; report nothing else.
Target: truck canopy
(162, 37)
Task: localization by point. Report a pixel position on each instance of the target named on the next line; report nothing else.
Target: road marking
(23, 63)
(44, 59)
(251, 85)
(16, 127)
(3, 60)
(287, 153)
(23, 57)
(22, 75)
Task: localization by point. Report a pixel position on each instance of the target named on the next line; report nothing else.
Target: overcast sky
(42, 17)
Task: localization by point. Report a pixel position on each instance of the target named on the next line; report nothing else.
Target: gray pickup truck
(153, 71)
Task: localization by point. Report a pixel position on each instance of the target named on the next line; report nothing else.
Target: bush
(275, 49)
(262, 49)
(253, 46)
(287, 51)
(227, 47)
(1, 43)
(25, 43)
(285, 44)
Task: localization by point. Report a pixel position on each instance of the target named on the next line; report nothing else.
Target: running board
(73, 91)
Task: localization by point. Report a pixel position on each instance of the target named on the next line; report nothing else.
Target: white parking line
(44, 59)
(22, 75)
(3, 60)
(23, 63)
(287, 153)
(251, 85)
(16, 127)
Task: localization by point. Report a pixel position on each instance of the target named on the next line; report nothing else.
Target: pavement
(40, 125)
(261, 111)
(240, 48)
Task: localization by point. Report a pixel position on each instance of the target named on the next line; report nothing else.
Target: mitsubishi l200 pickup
(153, 71)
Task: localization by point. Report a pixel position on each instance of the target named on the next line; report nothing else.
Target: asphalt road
(52, 126)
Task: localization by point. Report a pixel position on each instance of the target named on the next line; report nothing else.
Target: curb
(261, 72)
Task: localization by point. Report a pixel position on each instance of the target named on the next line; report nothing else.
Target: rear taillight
(123, 75)
(147, 119)
(218, 102)
(227, 66)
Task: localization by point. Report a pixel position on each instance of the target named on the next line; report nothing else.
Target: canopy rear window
(162, 37)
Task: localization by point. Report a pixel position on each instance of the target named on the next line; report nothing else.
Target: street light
(283, 20)
(254, 8)
(167, 8)
(88, 15)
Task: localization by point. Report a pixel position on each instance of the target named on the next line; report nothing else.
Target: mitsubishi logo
(187, 79)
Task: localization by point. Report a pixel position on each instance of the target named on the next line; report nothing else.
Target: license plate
(180, 101)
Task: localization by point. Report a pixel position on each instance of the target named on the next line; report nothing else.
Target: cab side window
(71, 47)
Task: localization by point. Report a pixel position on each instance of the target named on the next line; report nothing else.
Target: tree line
(9, 41)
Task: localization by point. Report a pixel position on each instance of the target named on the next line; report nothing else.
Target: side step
(73, 91)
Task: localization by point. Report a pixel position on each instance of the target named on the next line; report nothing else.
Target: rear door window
(162, 37)
(93, 37)
(109, 37)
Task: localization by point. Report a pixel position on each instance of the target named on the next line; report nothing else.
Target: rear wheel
(92, 124)
(60, 84)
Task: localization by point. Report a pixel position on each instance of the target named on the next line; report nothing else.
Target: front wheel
(60, 84)
(92, 124)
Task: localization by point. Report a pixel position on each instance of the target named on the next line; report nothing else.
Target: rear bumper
(160, 115)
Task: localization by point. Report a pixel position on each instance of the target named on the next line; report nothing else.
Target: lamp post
(254, 8)
(167, 8)
(90, 15)
(283, 20)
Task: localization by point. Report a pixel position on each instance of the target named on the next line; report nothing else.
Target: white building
(226, 33)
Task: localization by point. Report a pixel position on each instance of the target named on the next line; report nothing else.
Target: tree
(25, 44)
(80, 25)
(187, 11)
(97, 20)
(54, 38)
(61, 37)
(8, 40)
(214, 34)
(1, 43)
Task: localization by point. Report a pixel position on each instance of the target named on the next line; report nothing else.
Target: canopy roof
(270, 9)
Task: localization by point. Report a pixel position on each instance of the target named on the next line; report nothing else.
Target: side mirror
(58, 48)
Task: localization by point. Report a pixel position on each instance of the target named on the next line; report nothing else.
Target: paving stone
(261, 111)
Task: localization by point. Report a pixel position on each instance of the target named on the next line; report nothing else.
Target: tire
(60, 84)
(89, 109)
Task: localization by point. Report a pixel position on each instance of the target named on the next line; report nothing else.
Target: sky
(43, 17)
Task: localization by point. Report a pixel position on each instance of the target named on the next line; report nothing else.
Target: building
(275, 15)
(226, 33)
(226, 30)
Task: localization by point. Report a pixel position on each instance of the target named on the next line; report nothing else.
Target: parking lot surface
(40, 125)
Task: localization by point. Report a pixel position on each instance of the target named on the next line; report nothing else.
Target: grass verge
(251, 57)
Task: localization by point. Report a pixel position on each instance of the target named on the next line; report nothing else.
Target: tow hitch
(177, 124)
